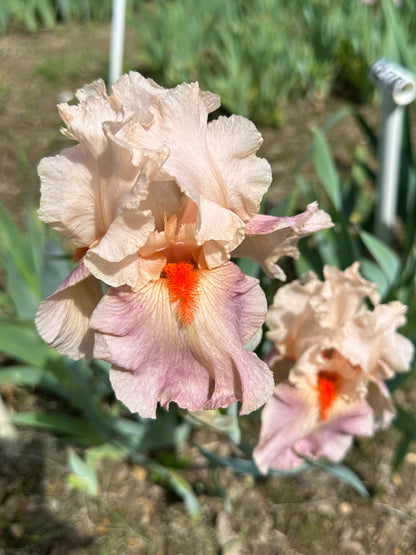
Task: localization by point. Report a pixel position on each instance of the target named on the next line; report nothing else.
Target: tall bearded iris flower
(332, 355)
(156, 200)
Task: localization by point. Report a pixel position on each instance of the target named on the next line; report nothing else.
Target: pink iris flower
(331, 357)
(156, 200)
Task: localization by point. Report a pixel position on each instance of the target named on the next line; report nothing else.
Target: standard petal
(345, 293)
(202, 365)
(84, 121)
(219, 231)
(379, 399)
(232, 143)
(269, 238)
(226, 182)
(68, 199)
(129, 230)
(371, 340)
(290, 316)
(63, 318)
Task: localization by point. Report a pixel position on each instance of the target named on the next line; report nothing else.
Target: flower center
(327, 391)
(182, 281)
(79, 253)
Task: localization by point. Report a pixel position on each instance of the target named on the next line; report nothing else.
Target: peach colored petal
(219, 231)
(321, 358)
(371, 340)
(84, 120)
(307, 311)
(136, 94)
(379, 399)
(223, 177)
(63, 318)
(290, 318)
(128, 231)
(232, 143)
(269, 238)
(68, 201)
(80, 193)
(345, 292)
(201, 365)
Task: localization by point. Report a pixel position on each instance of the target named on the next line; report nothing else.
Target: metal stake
(117, 41)
(398, 88)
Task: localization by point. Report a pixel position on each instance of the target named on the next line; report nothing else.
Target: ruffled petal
(85, 120)
(291, 429)
(200, 365)
(63, 318)
(219, 231)
(269, 238)
(128, 231)
(289, 415)
(68, 200)
(379, 399)
(371, 341)
(232, 143)
(307, 311)
(290, 315)
(333, 438)
(213, 164)
(344, 293)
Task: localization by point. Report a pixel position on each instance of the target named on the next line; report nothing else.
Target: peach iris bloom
(155, 200)
(332, 355)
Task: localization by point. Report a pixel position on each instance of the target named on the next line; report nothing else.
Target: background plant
(256, 54)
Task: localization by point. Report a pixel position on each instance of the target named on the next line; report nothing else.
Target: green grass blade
(29, 376)
(84, 476)
(325, 168)
(17, 246)
(60, 423)
(385, 257)
(344, 474)
(21, 341)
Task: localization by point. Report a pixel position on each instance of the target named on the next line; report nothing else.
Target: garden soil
(310, 513)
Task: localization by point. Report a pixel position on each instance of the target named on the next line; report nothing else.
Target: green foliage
(258, 54)
(255, 54)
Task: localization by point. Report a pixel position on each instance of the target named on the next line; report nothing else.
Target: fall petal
(333, 438)
(287, 417)
(202, 365)
(63, 318)
(291, 429)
